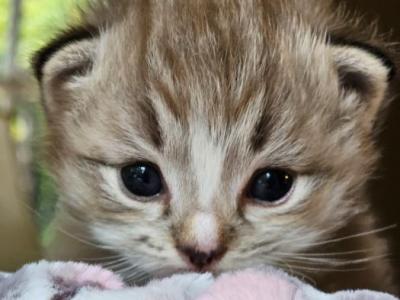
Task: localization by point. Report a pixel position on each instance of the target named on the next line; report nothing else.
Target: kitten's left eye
(142, 179)
(270, 185)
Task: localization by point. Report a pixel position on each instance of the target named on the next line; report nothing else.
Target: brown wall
(385, 189)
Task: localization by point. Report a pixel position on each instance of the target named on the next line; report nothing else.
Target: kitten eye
(270, 185)
(142, 179)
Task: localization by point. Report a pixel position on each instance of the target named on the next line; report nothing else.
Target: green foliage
(45, 196)
(40, 20)
(3, 21)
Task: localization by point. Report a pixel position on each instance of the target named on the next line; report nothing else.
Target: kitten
(215, 135)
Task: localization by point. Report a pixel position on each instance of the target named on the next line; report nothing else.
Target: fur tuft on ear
(67, 37)
(69, 56)
(365, 74)
(378, 53)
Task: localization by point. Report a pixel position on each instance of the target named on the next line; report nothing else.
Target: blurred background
(27, 193)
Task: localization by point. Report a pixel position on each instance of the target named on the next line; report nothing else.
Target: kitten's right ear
(70, 55)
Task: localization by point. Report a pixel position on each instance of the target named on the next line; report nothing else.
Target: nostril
(200, 259)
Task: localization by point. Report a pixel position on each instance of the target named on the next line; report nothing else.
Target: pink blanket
(77, 281)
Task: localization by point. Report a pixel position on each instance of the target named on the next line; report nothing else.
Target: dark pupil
(271, 185)
(142, 180)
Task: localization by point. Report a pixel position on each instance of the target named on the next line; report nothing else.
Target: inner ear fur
(64, 39)
(69, 56)
(366, 72)
(75, 59)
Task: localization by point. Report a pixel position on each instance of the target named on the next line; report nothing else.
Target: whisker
(101, 259)
(363, 260)
(137, 275)
(58, 228)
(115, 264)
(308, 261)
(141, 279)
(67, 233)
(81, 239)
(129, 266)
(323, 269)
(324, 254)
(296, 273)
(348, 237)
(338, 263)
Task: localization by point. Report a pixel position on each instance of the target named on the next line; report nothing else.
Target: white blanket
(77, 281)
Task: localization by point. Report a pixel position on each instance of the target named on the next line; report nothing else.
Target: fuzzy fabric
(77, 281)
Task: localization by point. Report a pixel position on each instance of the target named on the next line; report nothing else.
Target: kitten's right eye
(270, 185)
(142, 179)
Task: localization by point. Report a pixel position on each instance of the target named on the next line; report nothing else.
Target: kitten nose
(200, 259)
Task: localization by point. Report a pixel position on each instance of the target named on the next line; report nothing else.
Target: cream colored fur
(211, 92)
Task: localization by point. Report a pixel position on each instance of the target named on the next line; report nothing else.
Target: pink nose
(199, 259)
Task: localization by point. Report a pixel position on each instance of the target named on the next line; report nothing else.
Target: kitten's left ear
(365, 74)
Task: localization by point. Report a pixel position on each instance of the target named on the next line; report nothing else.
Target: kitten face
(211, 95)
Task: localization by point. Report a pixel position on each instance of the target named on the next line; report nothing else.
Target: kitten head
(213, 135)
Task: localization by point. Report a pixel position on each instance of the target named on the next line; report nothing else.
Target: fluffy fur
(211, 92)
(65, 281)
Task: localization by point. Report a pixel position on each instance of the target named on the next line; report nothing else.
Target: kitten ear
(65, 59)
(364, 74)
